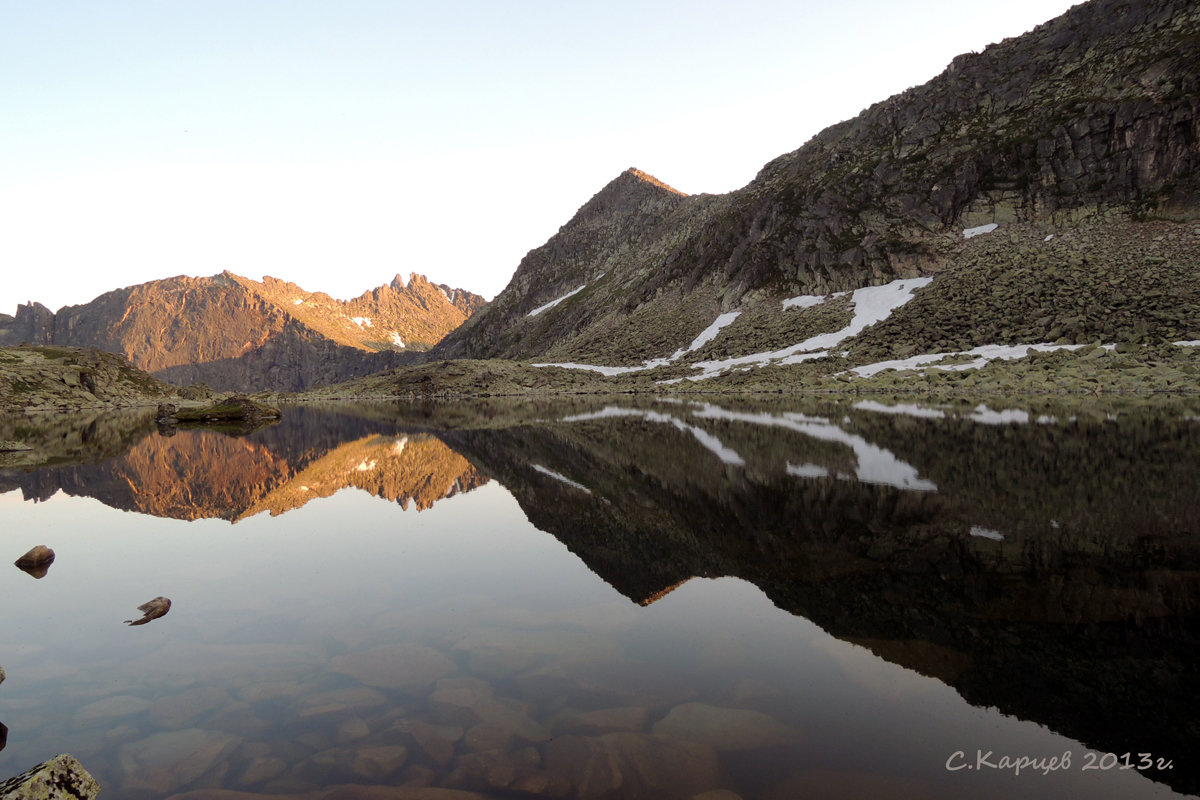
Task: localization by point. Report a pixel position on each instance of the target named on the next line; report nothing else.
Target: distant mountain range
(231, 332)
(1072, 150)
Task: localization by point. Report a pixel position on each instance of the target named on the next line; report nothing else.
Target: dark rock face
(1095, 110)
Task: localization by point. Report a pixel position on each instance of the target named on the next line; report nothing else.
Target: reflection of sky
(352, 571)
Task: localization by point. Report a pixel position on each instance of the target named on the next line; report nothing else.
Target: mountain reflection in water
(1038, 562)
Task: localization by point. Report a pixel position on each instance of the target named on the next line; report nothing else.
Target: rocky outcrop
(237, 334)
(1096, 110)
(44, 378)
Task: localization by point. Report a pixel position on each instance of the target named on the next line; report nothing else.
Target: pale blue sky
(336, 145)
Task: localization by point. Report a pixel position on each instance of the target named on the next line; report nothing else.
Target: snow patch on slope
(804, 301)
(556, 301)
(872, 304)
(971, 233)
(983, 354)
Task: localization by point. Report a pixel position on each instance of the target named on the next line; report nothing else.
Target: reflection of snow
(1007, 416)
(710, 442)
(807, 470)
(559, 477)
(875, 465)
(364, 466)
(398, 447)
(986, 533)
(906, 409)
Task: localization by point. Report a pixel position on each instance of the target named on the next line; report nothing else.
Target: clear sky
(338, 144)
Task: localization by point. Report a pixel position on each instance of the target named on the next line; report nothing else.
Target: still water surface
(620, 600)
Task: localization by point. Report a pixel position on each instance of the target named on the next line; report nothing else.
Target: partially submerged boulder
(237, 408)
(60, 778)
(152, 609)
(37, 561)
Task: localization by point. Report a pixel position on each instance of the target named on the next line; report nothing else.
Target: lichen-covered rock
(60, 778)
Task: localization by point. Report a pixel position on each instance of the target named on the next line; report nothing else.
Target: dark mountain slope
(1091, 114)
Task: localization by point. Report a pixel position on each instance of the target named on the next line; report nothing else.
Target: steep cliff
(235, 333)
(1092, 116)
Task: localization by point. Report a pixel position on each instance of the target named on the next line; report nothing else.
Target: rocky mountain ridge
(234, 333)
(1093, 116)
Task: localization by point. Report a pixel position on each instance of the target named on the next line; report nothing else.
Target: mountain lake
(623, 597)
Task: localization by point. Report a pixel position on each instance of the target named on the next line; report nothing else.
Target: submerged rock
(60, 778)
(724, 728)
(164, 762)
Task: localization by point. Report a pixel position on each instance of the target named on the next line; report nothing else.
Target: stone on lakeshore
(164, 762)
(60, 778)
(410, 668)
(724, 728)
(633, 765)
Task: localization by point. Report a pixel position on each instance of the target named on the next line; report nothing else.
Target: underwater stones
(435, 741)
(352, 730)
(338, 701)
(379, 762)
(164, 762)
(724, 728)
(605, 720)
(410, 668)
(467, 702)
(517, 771)
(633, 765)
(177, 710)
(60, 778)
(261, 768)
(110, 708)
